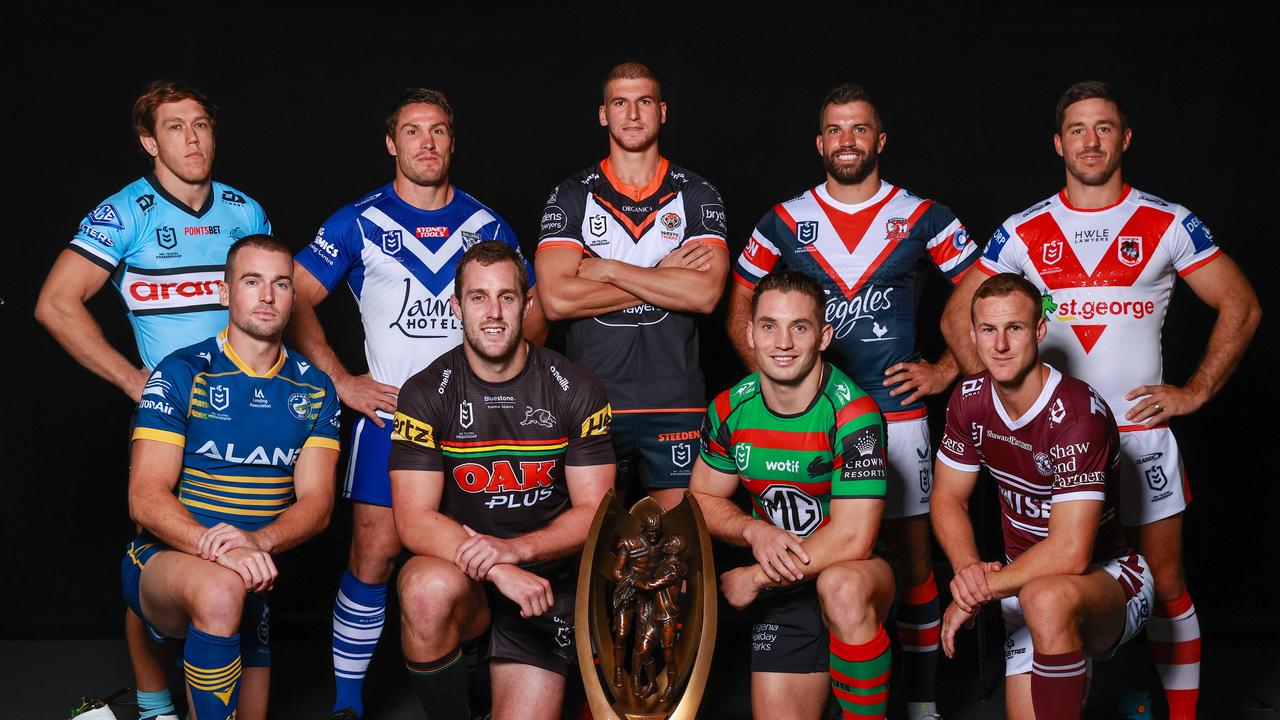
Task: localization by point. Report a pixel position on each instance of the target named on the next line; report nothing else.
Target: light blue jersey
(167, 259)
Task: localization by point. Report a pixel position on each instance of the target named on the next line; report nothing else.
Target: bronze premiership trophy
(645, 618)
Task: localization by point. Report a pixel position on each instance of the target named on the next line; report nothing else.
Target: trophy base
(646, 716)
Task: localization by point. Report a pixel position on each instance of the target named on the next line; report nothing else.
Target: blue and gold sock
(212, 668)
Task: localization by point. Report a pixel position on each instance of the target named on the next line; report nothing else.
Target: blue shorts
(255, 619)
(367, 480)
(657, 448)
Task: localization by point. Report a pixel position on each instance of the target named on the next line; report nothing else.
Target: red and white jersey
(1107, 275)
(1064, 448)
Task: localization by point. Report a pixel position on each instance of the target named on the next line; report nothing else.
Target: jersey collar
(1046, 392)
(631, 191)
(240, 364)
(821, 192)
(154, 182)
(1066, 202)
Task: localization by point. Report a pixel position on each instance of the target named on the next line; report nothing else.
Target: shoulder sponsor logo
(1201, 238)
(433, 231)
(553, 218)
(598, 422)
(713, 218)
(952, 445)
(960, 238)
(466, 416)
(157, 385)
(412, 430)
(392, 241)
(996, 244)
(969, 387)
(1065, 455)
(219, 397)
(107, 216)
(538, 416)
(807, 232)
(791, 509)
(159, 406)
(231, 197)
(865, 442)
(1129, 250)
(561, 380)
(300, 405)
(97, 234)
(166, 237)
(681, 454)
(598, 225)
(1058, 412)
(145, 202)
(896, 229)
(444, 381)
(1036, 208)
(1096, 477)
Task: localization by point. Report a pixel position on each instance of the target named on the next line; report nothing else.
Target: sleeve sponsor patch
(412, 430)
(1201, 237)
(553, 219)
(713, 218)
(598, 422)
(996, 244)
(107, 216)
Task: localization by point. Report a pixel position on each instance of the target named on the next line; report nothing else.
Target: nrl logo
(1052, 252)
(465, 415)
(219, 397)
(742, 455)
(392, 241)
(598, 224)
(167, 237)
(681, 454)
(807, 232)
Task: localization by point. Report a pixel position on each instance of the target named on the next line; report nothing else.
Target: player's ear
(880, 141)
(827, 333)
(455, 304)
(604, 117)
(1057, 144)
(1128, 138)
(149, 145)
(662, 113)
(391, 146)
(751, 338)
(224, 291)
(1042, 328)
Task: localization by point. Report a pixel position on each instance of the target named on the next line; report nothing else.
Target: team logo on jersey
(807, 232)
(681, 454)
(106, 215)
(219, 397)
(232, 198)
(742, 455)
(145, 202)
(896, 229)
(1129, 250)
(1052, 252)
(1044, 464)
(465, 414)
(167, 237)
(392, 241)
(791, 509)
(1156, 479)
(1058, 412)
(670, 220)
(598, 224)
(538, 416)
(469, 239)
(300, 405)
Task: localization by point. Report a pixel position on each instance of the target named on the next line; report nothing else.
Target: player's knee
(1049, 604)
(218, 602)
(846, 593)
(1169, 582)
(428, 594)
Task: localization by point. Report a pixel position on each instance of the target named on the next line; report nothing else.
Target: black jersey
(646, 356)
(502, 446)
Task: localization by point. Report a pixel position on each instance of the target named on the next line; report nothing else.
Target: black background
(967, 95)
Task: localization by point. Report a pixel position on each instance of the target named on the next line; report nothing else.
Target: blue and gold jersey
(241, 433)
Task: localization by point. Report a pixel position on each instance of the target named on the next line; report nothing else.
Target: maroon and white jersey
(1065, 448)
(1107, 275)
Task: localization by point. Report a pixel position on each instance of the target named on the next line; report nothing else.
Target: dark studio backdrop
(967, 96)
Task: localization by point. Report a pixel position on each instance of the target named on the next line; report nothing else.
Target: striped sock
(1173, 637)
(441, 686)
(212, 667)
(359, 612)
(918, 627)
(1058, 685)
(151, 704)
(860, 676)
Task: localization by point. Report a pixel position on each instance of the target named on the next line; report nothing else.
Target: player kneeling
(499, 457)
(248, 432)
(808, 445)
(1072, 588)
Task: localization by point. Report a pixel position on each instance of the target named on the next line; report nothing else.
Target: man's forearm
(300, 522)
(307, 335)
(571, 297)
(954, 532)
(739, 316)
(956, 322)
(1232, 331)
(562, 537)
(1043, 559)
(80, 335)
(160, 514)
(670, 288)
(725, 521)
(430, 533)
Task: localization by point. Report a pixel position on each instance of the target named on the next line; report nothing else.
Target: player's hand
(223, 537)
(365, 395)
(531, 592)
(917, 379)
(478, 554)
(596, 269)
(952, 620)
(969, 586)
(1159, 403)
(740, 586)
(255, 567)
(691, 256)
(779, 552)
(135, 383)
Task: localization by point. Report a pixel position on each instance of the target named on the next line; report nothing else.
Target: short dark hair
(166, 91)
(630, 71)
(260, 241)
(790, 281)
(1088, 90)
(845, 94)
(1004, 285)
(413, 96)
(487, 253)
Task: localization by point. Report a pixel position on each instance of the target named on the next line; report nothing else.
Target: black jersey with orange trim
(646, 356)
(504, 446)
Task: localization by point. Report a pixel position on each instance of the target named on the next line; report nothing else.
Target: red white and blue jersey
(400, 262)
(869, 259)
(1107, 276)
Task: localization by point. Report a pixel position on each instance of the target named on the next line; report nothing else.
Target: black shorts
(545, 641)
(787, 632)
(658, 449)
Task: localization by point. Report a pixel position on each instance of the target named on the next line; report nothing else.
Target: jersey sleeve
(957, 449)
(562, 217)
(261, 224)
(950, 248)
(716, 437)
(325, 410)
(166, 398)
(861, 471)
(1081, 454)
(1005, 253)
(333, 251)
(107, 233)
(501, 231)
(1191, 244)
(589, 419)
(761, 254)
(414, 445)
(704, 209)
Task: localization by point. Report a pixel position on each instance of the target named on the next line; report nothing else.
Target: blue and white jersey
(167, 259)
(399, 262)
(241, 433)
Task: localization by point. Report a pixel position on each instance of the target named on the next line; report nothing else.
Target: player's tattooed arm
(1222, 286)
(566, 296)
(61, 310)
(359, 392)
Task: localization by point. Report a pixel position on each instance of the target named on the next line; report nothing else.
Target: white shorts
(1153, 483)
(1017, 644)
(910, 469)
